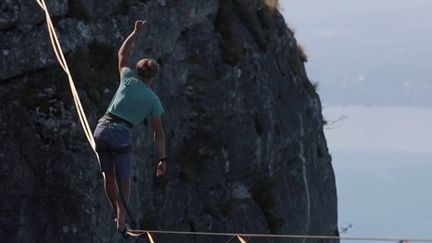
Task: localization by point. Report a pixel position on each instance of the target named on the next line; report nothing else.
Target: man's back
(134, 101)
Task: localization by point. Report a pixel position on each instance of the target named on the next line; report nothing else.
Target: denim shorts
(113, 145)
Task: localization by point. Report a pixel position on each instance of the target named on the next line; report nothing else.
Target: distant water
(384, 194)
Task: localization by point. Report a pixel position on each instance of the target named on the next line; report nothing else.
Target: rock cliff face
(243, 123)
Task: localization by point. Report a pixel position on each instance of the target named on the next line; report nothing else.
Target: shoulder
(126, 72)
(157, 107)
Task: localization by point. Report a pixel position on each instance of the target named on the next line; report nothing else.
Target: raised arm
(122, 53)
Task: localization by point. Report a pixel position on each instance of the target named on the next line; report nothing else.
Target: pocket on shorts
(121, 141)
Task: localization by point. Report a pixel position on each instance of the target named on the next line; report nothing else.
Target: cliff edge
(243, 123)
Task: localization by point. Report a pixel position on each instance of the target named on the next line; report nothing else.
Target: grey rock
(32, 50)
(95, 9)
(244, 128)
(32, 14)
(240, 191)
(24, 13)
(9, 14)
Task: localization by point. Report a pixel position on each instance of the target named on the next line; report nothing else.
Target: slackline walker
(113, 120)
(113, 132)
(80, 111)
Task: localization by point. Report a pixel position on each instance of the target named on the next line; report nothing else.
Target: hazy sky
(366, 52)
(380, 128)
(371, 59)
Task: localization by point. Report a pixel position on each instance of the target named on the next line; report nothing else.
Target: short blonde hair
(147, 68)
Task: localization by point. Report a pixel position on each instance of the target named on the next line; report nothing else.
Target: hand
(161, 169)
(139, 24)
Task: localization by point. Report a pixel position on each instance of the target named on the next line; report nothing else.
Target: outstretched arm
(122, 53)
(159, 138)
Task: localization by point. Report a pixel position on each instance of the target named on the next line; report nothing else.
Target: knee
(125, 181)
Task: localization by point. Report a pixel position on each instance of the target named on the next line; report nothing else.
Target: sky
(366, 52)
(371, 60)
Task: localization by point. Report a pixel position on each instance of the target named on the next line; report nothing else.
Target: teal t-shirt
(134, 101)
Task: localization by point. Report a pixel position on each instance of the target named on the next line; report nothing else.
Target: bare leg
(125, 184)
(111, 190)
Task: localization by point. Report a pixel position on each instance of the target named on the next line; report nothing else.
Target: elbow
(122, 61)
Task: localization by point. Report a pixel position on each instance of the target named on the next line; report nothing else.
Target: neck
(146, 81)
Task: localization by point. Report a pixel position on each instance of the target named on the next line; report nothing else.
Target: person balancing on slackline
(133, 102)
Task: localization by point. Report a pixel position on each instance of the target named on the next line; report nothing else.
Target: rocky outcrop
(243, 123)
